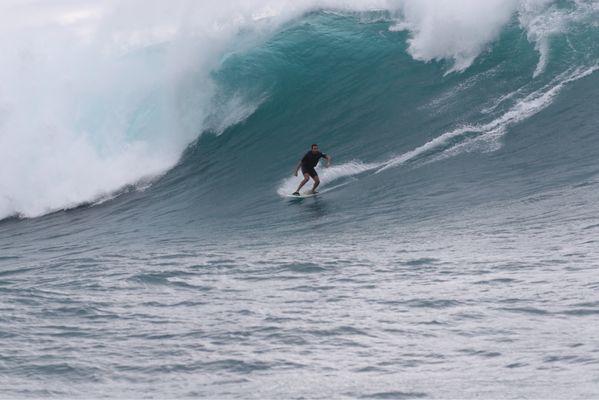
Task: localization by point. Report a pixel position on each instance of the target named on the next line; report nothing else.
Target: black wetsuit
(309, 162)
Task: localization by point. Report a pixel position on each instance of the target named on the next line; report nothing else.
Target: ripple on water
(393, 395)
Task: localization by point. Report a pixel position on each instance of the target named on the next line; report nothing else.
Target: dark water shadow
(312, 208)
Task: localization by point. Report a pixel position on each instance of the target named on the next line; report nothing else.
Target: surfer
(307, 165)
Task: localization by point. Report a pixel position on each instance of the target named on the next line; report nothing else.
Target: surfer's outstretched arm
(328, 157)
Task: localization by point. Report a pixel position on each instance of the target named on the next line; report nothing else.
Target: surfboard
(306, 194)
(303, 195)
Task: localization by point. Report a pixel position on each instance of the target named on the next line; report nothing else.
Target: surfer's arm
(299, 164)
(328, 158)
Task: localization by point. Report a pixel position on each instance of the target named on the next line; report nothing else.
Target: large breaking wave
(100, 96)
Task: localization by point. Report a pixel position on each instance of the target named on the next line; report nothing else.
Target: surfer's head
(314, 148)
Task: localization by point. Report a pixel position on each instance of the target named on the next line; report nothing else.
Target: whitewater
(149, 247)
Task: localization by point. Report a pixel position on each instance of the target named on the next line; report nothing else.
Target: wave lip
(458, 31)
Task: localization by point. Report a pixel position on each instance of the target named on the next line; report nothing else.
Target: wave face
(356, 84)
(93, 103)
(147, 246)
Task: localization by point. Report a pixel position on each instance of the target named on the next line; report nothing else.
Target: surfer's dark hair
(313, 144)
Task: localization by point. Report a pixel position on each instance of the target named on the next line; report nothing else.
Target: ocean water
(148, 249)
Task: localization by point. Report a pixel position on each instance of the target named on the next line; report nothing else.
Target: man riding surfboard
(307, 164)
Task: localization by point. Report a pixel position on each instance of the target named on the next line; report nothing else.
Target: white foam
(457, 30)
(328, 175)
(543, 20)
(486, 136)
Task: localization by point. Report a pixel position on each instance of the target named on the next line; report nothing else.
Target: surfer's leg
(316, 183)
(303, 182)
